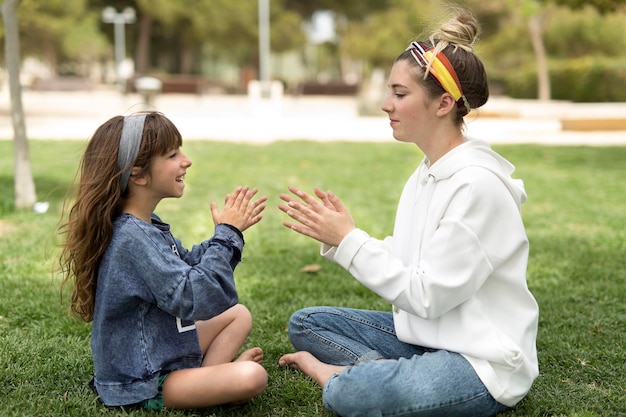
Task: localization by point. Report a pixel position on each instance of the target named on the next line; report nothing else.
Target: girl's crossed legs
(219, 380)
(344, 351)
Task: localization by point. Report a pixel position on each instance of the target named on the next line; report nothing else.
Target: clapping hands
(239, 209)
(324, 219)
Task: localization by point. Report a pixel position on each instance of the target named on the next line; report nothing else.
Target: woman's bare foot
(254, 354)
(310, 366)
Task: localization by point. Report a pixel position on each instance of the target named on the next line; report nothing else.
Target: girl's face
(410, 110)
(167, 174)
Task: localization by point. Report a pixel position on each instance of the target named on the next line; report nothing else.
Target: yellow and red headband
(443, 72)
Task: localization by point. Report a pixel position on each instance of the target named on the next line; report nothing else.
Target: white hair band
(130, 140)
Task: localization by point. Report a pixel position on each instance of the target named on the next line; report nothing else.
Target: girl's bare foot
(310, 366)
(254, 354)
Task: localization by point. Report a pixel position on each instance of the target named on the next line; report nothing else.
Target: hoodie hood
(478, 153)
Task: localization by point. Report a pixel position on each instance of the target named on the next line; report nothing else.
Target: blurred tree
(172, 35)
(586, 32)
(350, 9)
(59, 31)
(603, 6)
(356, 23)
(189, 36)
(232, 29)
(25, 195)
(171, 29)
(514, 37)
(82, 46)
(383, 35)
(531, 11)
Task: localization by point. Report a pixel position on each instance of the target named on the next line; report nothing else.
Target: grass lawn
(575, 218)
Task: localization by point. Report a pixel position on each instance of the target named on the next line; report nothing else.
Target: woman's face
(410, 110)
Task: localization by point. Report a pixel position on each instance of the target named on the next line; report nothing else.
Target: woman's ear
(446, 104)
(138, 176)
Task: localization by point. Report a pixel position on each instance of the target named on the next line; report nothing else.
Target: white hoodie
(455, 267)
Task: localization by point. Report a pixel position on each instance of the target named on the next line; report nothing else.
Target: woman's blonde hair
(99, 199)
(455, 39)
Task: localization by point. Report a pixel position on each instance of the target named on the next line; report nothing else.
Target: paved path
(75, 115)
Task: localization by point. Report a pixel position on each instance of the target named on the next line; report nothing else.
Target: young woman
(166, 322)
(460, 337)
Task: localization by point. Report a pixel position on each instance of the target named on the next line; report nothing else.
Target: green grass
(575, 218)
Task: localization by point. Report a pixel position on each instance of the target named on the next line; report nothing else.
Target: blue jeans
(417, 381)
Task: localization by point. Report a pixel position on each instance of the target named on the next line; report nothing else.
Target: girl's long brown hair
(98, 202)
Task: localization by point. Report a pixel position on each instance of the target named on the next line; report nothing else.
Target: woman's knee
(295, 321)
(308, 317)
(299, 323)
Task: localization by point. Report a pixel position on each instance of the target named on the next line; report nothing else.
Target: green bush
(572, 33)
(587, 79)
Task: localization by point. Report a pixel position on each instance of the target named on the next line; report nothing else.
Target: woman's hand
(238, 210)
(325, 220)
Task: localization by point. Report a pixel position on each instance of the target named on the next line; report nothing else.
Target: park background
(576, 47)
(328, 61)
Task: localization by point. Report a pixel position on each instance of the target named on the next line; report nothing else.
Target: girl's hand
(239, 210)
(325, 220)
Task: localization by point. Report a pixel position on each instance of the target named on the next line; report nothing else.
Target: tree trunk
(543, 74)
(186, 59)
(24, 185)
(142, 55)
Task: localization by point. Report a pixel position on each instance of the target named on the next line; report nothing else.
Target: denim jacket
(150, 291)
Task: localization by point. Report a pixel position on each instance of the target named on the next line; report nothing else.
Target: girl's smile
(165, 168)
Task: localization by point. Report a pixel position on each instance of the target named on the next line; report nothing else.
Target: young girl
(460, 337)
(166, 323)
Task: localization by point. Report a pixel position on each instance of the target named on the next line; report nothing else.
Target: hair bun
(460, 31)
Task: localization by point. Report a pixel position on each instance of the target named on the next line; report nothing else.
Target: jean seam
(371, 324)
(333, 345)
(437, 406)
(339, 348)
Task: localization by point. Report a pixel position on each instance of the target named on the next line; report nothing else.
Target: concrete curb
(75, 115)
